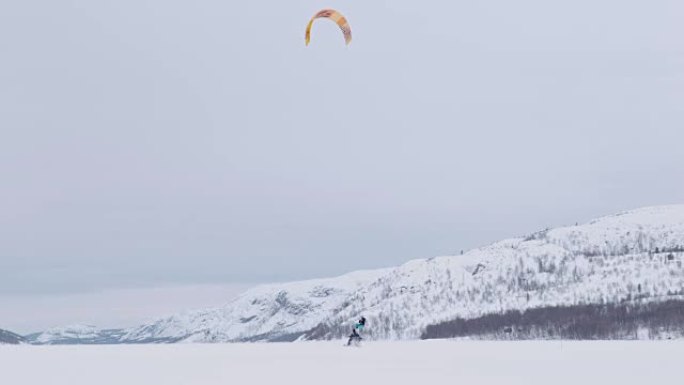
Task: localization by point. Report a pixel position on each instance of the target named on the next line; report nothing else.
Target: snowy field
(415, 362)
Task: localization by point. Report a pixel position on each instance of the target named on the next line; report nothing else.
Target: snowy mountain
(7, 337)
(634, 257)
(75, 334)
(623, 272)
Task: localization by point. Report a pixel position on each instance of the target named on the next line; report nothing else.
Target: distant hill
(75, 335)
(7, 337)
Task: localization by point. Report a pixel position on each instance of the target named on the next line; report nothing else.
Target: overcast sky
(156, 145)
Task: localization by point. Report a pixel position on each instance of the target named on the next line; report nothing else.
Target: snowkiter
(355, 336)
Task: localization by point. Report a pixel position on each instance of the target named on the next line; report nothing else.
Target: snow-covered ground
(407, 362)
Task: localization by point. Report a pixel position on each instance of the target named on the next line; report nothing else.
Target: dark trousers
(354, 336)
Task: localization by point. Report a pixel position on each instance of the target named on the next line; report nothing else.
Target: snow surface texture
(396, 363)
(635, 255)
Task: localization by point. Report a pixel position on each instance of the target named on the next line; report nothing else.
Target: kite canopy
(334, 16)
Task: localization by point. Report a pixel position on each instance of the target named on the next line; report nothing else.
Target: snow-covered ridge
(636, 254)
(7, 337)
(632, 256)
(75, 334)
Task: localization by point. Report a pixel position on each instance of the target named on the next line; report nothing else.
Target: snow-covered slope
(271, 312)
(628, 256)
(7, 337)
(75, 334)
(637, 254)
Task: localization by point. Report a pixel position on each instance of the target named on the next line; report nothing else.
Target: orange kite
(334, 16)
